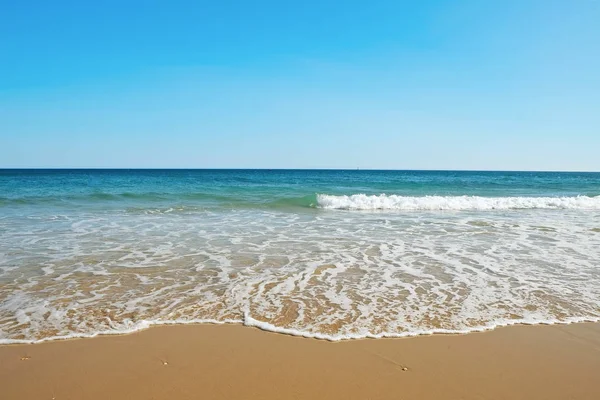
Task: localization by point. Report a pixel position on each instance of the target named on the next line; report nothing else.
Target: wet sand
(236, 362)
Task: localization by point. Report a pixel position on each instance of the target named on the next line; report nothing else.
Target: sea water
(326, 254)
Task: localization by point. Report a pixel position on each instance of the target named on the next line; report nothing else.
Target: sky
(432, 84)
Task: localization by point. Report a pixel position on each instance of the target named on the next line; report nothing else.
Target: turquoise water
(328, 254)
(269, 189)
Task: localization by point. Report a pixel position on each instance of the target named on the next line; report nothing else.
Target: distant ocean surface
(325, 254)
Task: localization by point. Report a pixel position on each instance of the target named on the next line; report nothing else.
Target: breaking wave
(409, 203)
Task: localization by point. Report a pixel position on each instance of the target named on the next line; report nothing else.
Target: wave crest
(433, 203)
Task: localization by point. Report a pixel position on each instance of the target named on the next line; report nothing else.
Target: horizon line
(282, 169)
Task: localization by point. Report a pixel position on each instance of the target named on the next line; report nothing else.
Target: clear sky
(476, 84)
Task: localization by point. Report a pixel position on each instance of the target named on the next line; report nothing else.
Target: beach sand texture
(237, 362)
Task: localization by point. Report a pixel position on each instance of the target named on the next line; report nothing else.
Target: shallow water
(330, 254)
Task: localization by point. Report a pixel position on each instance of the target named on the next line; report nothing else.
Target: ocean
(330, 254)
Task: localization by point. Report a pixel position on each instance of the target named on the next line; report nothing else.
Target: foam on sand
(320, 274)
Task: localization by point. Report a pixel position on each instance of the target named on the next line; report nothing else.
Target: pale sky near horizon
(494, 85)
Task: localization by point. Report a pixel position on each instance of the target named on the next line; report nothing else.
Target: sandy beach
(397, 200)
(237, 362)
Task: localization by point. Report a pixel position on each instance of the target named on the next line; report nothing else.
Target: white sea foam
(366, 334)
(327, 275)
(265, 326)
(131, 328)
(410, 203)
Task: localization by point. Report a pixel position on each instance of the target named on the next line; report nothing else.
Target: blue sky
(314, 84)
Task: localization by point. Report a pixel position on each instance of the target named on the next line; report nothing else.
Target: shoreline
(235, 361)
(250, 322)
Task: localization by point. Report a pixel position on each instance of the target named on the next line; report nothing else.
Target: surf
(457, 203)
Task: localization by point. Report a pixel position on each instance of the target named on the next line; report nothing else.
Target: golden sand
(236, 362)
